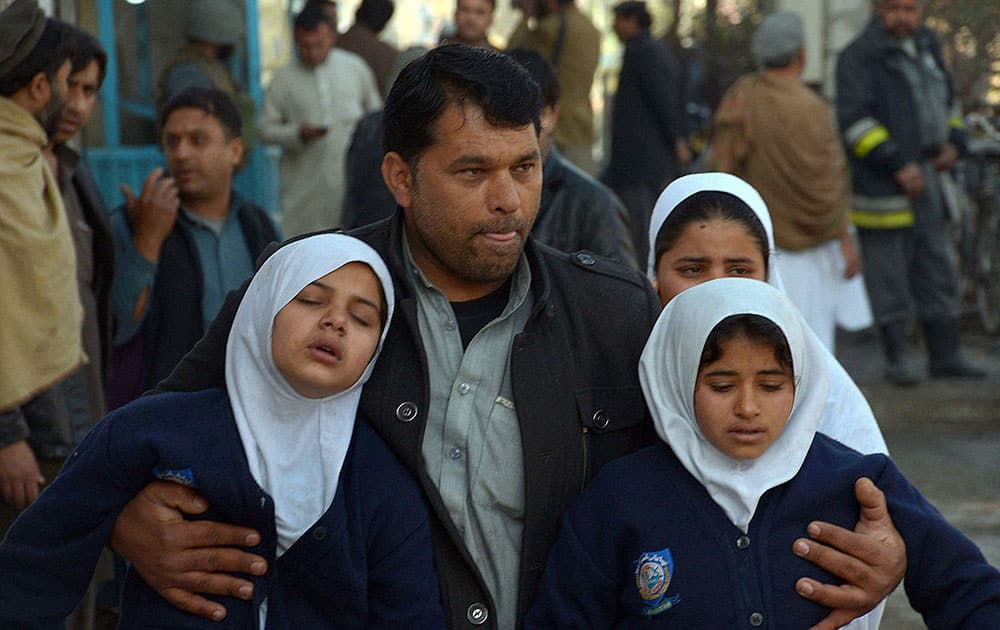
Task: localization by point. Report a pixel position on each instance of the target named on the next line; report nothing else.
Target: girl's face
(707, 250)
(324, 338)
(743, 400)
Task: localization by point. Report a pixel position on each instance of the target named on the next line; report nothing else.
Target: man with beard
(40, 335)
(894, 102)
(508, 376)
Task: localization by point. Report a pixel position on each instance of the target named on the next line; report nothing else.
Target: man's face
(625, 27)
(900, 18)
(80, 99)
(313, 46)
(473, 197)
(51, 113)
(472, 19)
(200, 156)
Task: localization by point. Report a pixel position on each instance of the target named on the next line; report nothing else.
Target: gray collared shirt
(472, 442)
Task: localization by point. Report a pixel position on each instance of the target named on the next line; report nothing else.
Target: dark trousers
(911, 271)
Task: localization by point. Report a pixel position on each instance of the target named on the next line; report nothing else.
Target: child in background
(343, 525)
(696, 532)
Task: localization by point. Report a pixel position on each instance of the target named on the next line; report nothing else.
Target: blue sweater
(646, 546)
(366, 563)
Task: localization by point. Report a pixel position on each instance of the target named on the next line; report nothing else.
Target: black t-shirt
(473, 315)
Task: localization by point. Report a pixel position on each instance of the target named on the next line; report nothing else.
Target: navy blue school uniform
(366, 563)
(645, 546)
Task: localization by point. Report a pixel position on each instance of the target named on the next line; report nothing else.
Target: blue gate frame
(115, 163)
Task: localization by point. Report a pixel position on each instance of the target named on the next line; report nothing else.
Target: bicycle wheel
(988, 256)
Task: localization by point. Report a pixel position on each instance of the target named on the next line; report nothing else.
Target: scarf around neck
(40, 312)
(668, 370)
(295, 446)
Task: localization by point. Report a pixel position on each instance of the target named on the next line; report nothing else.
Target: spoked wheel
(988, 256)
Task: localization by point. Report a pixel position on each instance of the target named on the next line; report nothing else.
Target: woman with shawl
(343, 525)
(695, 532)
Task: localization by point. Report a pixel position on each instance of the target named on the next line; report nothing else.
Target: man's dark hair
(374, 14)
(311, 18)
(541, 72)
(54, 47)
(635, 9)
(456, 73)
(89, 49)
(213, 102)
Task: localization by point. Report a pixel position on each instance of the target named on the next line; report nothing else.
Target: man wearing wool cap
(777, 134)
(40, 336)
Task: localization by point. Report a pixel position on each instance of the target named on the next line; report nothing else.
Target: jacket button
(743, 542)
(319, 533)
(586, 259)
(756, 619)
(406, 411)
(601, 419)
(477, 614)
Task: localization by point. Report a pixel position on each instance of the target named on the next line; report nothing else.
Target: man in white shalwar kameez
(310, 111)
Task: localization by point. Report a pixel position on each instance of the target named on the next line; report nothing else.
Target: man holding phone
(182, 241)
(310, 111)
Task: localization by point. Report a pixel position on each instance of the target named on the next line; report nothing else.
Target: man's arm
(176, 557)
(140, 229)
(179, 558)
(20, 477)
(865, 137)
(659, 74)
(871, 560)
(276, 126)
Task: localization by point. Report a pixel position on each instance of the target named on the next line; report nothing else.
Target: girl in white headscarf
(697, 532)
(713, 225)
(343, 525)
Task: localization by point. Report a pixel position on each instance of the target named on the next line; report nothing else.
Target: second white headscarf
(848, 416)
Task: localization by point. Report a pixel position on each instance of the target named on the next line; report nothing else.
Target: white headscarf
(683, 187)
(848, 416)
(668, 371)
(295, 446)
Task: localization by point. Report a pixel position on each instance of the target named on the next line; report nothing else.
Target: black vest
(173, 321)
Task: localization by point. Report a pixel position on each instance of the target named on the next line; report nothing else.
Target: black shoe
(900, 375)
(956, 368)
(944, 357)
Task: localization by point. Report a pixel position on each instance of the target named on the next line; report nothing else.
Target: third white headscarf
(683, 187)
(295, 446)
(668, 370)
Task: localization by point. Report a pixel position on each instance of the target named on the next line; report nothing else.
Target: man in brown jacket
(777, 134)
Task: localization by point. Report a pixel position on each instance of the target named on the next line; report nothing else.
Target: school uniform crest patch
(183, 476)
(653, 573)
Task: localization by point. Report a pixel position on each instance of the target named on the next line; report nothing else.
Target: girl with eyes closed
(344, 527)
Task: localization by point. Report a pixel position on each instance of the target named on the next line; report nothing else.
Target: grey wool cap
(778, 37)
(21, 26)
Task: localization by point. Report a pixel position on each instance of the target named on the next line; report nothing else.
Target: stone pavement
(944, 435)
